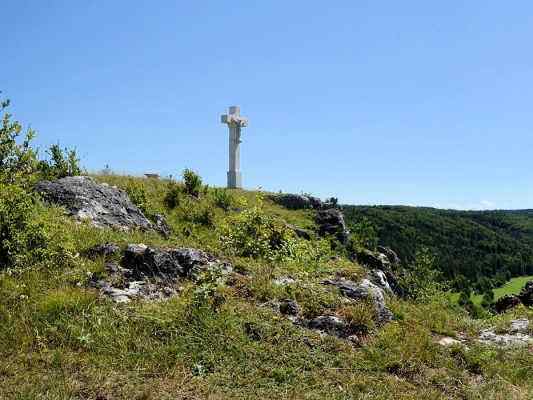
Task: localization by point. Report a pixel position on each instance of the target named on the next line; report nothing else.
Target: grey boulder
(330, 222)
(101, 204)
(364, 290)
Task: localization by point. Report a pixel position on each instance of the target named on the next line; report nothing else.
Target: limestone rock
(391, 255)
(489, 337)
(330, 324)
(526, 295)
(364, 290)
(289, 307)
(162, 225)
(449, 341)
(168, 263)
(102, 205)
(283, 281)
(379, 278)
(155, 273)
(296, 201)
(300, 232)
(373, 260)
(102, 250)
(331, 222)
(519, 326)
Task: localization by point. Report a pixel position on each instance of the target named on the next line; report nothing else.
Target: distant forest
(474, 249)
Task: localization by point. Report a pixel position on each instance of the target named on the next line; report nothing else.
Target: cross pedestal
(234, 122)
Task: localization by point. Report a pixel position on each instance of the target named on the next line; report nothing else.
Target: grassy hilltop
(59, 339)
(218, 339)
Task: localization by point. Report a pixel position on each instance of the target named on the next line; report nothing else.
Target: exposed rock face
(526, 295)
(330, 324)
(506, 303)
(373, 260)
(391, 255)
(379, 278)
(101, 204)
(154, 273)
(331, 222)
(516, 338)
(162, 226)
(381, 264)
(297, 201)
(121, 287)
(289, 307)
(364, 290)
(149, 262)
(103, 250)
(300, 232)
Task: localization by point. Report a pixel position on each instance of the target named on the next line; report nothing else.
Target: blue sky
(375, 102)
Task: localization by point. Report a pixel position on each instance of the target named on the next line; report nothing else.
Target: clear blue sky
(375, 102)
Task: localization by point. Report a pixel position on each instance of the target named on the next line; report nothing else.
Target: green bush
(137, 194)
(252, 233)
(223, 199)
(203, 215)
(60, 163)
(172, 197)
(18, 161)
(421, 280)
(193, 182)
(21, 239)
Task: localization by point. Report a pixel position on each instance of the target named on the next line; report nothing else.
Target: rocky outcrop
(289, 307)
(300, 232)
(102, 250)
(161, 225)
(297, 201)
(381, 264)
(330, 222)
(102, 205)
(517, 335)
(364, 290)
(165, 263)
(391, 255)
(331, 325)
(153, 273)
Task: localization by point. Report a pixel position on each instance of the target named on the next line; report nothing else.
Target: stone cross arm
(233, 118)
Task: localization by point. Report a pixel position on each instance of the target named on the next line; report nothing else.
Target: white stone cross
(235, 122)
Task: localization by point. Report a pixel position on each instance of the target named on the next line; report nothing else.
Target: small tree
(193, 182)
(364, 236)
(60, 163)
(421, 281)
(18, 161)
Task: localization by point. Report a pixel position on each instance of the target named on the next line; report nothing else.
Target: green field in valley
(511, 287)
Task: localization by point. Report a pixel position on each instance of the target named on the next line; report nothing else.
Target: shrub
(21, 239)
(252, 233)
(421, 281)
(203, 215)
(173, 195)
(60, 163)
(360, 316)
(193, 182)
(137, 194)
(364, 236)
(223, 199)
(18, 161)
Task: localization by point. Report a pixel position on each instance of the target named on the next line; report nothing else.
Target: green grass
(61, 340)
(513, 286)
